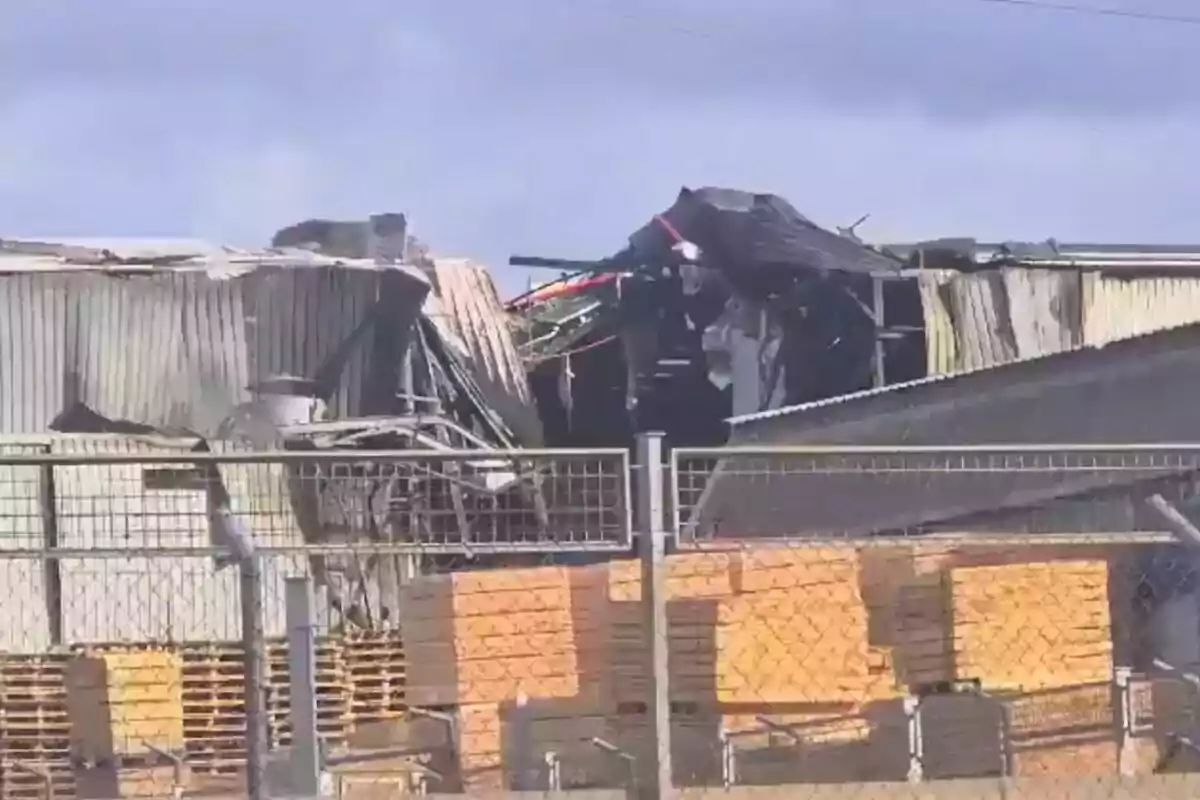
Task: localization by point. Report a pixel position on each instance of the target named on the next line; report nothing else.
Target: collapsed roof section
(128, 335)
(760, 237)
(725, 291)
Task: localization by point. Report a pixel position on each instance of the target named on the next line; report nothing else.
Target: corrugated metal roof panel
(120, 255)
(469, 311)
(1116, 308)
(941, 345)
(979, 311)
(1043, 311)
(989, 318)
(1035, 401)
(146, 348)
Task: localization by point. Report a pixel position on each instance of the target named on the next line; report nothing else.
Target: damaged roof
(172, 335)
(133, 254)
(744, 231)
(967, 253)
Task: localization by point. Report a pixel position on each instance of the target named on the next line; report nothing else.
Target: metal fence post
(305, 755)
(254, 642)
(652, 549)
(916, 739)
(254, 646)
(1123, 676)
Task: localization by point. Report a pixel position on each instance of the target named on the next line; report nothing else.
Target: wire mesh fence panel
(443, 602)
(1043, 648)
(784, 493)
(940, 665)
(1017, 622)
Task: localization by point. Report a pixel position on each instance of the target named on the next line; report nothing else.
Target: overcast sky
(556, 127)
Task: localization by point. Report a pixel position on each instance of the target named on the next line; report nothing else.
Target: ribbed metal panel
(469, 311)
(1138, 389)
(141, 347)
(123, 345)
(33, 316)
(159, 598)
(980, 314)
(303, 315)
(941, 346)
(1043, 311)
(24, 621)
(1116, 308)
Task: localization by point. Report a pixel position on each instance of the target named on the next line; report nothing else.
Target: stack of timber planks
(1033, 625)
(552, 658)
(126, 709)
(825, 639)
(1042, 633)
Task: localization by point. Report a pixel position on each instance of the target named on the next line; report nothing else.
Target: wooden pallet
(214, 707)
(34, 728)
(214, 701)
(376, 671)
(332, 698)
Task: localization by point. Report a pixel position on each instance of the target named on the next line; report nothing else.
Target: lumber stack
(772, 626)
(1041, 632)
(826, 639)
(34, 726)
(124, 704)
(475, 641)
(569, 646)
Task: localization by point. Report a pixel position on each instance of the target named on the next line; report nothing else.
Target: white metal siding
(161, 598)
(24, 622)
(991, 318)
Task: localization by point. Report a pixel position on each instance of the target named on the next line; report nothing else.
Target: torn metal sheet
(746, 232)
(466, 309)
(150, 347)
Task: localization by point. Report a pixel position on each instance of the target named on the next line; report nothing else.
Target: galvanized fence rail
(883, 621)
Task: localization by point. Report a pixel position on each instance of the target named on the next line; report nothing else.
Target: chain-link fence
(970, 620)
(832, 622)
(144, 637)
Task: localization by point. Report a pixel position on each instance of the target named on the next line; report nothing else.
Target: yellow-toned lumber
(1024, 627)
(125, 703)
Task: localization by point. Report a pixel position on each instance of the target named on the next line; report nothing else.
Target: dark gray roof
(1141, 390)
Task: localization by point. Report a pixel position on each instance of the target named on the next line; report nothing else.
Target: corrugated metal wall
(993, 317)
(137, 597)
(136, 346)
(24, 623)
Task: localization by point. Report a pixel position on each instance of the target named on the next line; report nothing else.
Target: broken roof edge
(1052, 254)
(19, 255)
(904, 396)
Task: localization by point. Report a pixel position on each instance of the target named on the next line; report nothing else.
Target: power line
(1097, 11)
